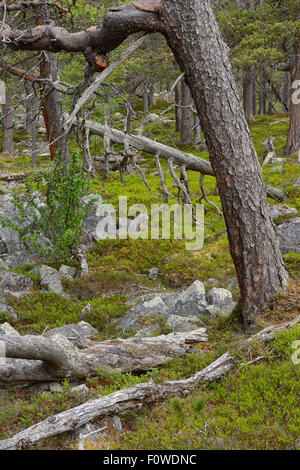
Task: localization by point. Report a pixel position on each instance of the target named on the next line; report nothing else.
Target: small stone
(7, 329)
(289, 236)
(85, 311)
(80, 389)
(55, 387)
(50, 279)
(8, 310)
(117, 423)
(212, 282)
(153, 274)
(66, 272)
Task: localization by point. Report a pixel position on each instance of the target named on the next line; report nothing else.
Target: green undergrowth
(39, 311)
(254, 407)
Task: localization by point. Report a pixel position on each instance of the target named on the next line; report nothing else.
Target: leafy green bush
(58, 224)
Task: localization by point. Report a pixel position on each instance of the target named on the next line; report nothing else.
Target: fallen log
(49, 359)
(115, 403)
(130, 398)
(144, 144)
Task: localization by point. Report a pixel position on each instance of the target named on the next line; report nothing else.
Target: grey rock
(182, 324)
(275, 210)
(7, 329)
(153, 274)
(42, 131)
(117, 423)
(233, 284)
(276, 160)
(289, 236)
(55, 387)
(66, 272)
(80, 389)
(220, 302)
(7, 309)
(191, 301)
(85, 311)
(50, 279)
(78, 334)
(219, 296)
(212, 282)
(15, 284)
(147, 331)
(221, 310)
(133, 319)
(3, 265)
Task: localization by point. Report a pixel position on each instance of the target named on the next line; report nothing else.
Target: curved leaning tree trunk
(192, 33)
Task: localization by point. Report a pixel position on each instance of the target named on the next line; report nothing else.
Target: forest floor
(254, 407)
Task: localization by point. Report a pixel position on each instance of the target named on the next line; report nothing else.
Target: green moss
(293, 263)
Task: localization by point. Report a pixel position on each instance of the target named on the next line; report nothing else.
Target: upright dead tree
(191, 31)
(8, 122)
(50, 98)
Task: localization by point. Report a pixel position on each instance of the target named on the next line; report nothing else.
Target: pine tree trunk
(287, 89)
(262, 92)
(293, 139)
(270, 109)
(8, 135)
(253, 244)
(254, 90)
(248, 94)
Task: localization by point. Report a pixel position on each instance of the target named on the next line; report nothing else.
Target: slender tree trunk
(287, 89)
(270, 109)
(177, 107)
(145, 102)
(50, 98)
(197, 129)
(262, 92)
(248, 94)
(293, 139)
(186, 124)
(151, 96)
(254, 90)
(253, 244)
(8, 135)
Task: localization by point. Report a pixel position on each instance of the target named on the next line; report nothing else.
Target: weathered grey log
(126, 355)
(144, 144)
(115, 403)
